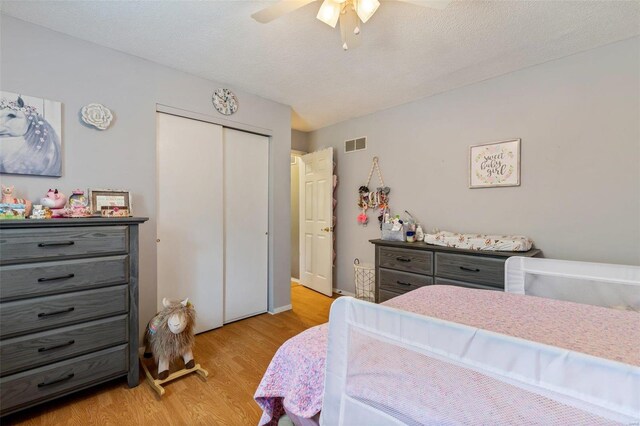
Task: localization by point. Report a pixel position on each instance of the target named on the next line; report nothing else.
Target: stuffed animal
(169, 335)
(55, 201)
(8, 198)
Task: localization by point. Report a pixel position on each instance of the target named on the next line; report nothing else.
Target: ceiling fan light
(366, 8)
(329, 12)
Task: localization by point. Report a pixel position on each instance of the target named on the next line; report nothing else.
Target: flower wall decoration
(97, 115)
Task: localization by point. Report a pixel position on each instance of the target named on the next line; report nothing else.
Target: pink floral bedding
(295, 377)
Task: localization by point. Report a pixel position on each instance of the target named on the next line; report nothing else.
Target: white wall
(40, 62)
(299, 140)
(578, 118)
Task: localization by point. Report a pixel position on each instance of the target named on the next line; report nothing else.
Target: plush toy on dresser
(170, 335)
(55, 201)
(8, 198)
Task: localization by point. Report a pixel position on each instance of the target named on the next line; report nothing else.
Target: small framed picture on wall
(494, 164)
(102, 199)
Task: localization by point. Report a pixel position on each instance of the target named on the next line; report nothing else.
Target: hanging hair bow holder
(373, 199)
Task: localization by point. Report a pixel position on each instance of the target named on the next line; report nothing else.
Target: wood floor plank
(236, 357)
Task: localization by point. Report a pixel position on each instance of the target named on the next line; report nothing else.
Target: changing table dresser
(68, 306)
(402, 267)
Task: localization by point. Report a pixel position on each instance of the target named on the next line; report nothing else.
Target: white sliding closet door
(190, 216)
(246, 207)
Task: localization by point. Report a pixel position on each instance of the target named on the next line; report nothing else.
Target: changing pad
(480, 241)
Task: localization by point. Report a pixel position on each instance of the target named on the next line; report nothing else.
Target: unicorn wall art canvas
(30, 135)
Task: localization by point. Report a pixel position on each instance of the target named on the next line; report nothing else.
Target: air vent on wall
(355, 144)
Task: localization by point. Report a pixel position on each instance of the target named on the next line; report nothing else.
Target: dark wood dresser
(68, 307)
(402, 267)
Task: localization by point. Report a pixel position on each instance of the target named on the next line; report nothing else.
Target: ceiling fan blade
(433, 4)
(278, 9)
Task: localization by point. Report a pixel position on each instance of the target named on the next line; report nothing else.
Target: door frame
(235, 125)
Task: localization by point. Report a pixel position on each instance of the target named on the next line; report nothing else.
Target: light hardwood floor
(236, 357)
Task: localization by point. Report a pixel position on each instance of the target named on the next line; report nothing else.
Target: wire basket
(365, 276)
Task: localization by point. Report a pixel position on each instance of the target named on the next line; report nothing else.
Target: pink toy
(8, 198)
(55, 201)
(363, 218)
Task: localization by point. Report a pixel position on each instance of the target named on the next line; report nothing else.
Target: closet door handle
(62, 277)
(56, 244)
(62, 311)
(469, 269)
(403, 283)
(53, 382)
(61, 345)
(402, 259)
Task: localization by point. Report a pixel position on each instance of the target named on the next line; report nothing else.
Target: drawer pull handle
(469, 269)
(53, 382)
(403, 283)
(402, 259)
(62, 277)
(62, 311)
(56, 244)
(61, 345)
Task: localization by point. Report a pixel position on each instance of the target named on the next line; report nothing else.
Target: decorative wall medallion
(224, 101)
(97, 115)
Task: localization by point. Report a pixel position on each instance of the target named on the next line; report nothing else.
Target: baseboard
(281, 309)
(295, 280)
(343, 292)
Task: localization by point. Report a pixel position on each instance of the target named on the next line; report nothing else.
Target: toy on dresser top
(55, 202)
(12, 207)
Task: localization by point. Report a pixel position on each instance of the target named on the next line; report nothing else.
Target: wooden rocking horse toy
(170, 335)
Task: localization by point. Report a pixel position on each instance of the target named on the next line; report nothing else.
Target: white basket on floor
(365, 276)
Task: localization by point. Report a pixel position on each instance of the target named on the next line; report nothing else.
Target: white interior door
(316, 221)
(190, 216)
(246, 210)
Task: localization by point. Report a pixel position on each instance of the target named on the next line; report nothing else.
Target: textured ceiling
(407, 52)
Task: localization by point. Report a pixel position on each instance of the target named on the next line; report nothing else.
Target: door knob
(328, 229)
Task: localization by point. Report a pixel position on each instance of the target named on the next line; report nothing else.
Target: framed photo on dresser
(112, 199)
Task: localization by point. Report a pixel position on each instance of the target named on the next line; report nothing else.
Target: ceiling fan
(350, 13)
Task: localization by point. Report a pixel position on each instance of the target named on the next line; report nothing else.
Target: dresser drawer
(40, 279)
(33, 350)
(43, 383)
(24, 316)
(21, 245)
(386, 295)
(416, 261)
(402, 282)
(474, 269)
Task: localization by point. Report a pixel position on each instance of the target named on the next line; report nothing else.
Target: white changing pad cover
(480, 241)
